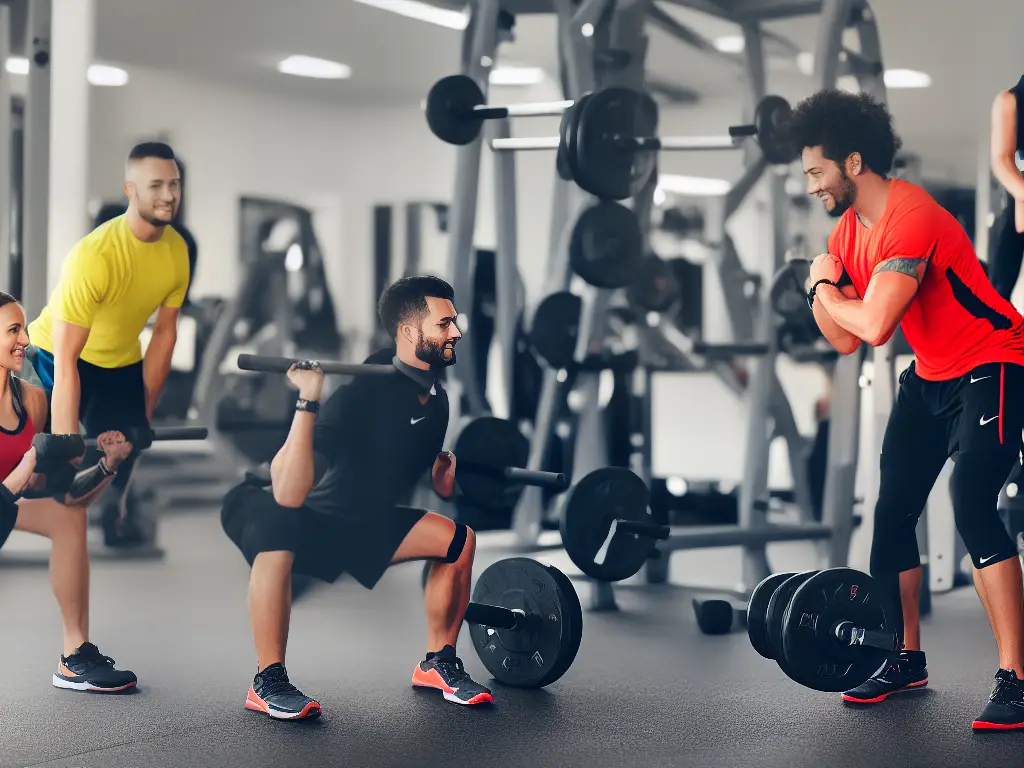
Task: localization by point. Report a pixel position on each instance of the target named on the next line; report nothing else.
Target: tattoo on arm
(915, 268)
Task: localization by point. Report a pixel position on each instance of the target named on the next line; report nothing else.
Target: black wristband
(107, 471)
(307, 406)
(814, 290)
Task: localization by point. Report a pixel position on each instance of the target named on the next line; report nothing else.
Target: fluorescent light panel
(695, 186)
(310, 66)
(431, 14)
(516, 76)
(906, 78)
(97, 74)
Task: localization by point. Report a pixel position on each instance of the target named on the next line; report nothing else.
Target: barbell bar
(456, 109)
(637, 143)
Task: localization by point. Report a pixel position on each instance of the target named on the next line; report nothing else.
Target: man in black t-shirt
(330, 506)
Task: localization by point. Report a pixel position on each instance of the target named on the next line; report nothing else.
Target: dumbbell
(526, 622)
(827, 630)
(52, 450)
(457, 109)
(606, 142)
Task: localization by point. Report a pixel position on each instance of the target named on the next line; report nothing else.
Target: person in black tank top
(1006, 239)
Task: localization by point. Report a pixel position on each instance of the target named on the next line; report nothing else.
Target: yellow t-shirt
(112, 283)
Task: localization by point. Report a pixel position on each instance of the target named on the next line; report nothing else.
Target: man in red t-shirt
(915, 267)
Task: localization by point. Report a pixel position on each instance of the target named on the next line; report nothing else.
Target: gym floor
(647, 689)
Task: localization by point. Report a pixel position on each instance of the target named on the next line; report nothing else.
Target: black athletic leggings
(1006, 251)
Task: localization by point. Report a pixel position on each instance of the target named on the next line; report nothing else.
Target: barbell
(456, 109)
(828, 630)
(606, 141)
(489, 452)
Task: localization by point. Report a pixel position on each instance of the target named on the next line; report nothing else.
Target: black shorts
(977, 417)
(325, 546)
(111, 398)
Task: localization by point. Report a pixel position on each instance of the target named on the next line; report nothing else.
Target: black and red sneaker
(444, 671)
(273, 694)
(906, 672)
(1005, 708)
(90, 670)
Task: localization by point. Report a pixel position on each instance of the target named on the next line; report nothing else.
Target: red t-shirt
(957, 321)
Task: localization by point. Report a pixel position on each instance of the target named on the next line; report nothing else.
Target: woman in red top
(23, 413)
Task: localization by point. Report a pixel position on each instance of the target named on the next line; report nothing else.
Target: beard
(150, 216)
(843, 197)
(432, 352)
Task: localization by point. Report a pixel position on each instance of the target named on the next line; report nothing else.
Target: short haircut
(406, 300)
(149, 149)
(842, 123)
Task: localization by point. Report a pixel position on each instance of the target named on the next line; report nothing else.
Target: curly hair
(842, 123)
(406, 300)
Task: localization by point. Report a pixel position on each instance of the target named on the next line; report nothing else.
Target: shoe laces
(277, 685)
(1008, 689)
(452, 668)
(91, 658)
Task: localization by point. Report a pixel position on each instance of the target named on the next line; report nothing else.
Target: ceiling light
(906, 78)
(17, 65)
(516, 76)
(587, 30)
(693, 185)
(103, 75)
(730, 43)
(422, 12)
(310, 66)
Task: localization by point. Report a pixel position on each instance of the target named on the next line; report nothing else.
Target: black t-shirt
(377, 439)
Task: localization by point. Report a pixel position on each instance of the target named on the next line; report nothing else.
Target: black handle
(739, 131)
(491, 616)
(554, 480)
(848, 634)
(651, 530)
(270, 364)
(753, 348)
(484, 112)
(141, 437)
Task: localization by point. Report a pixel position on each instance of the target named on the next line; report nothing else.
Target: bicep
(68, 340)
(1004, 126)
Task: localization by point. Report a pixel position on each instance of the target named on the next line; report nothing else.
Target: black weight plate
(496, 443)
(776, 610)
(605, 168)
(574, 617)
(570, 130)
(809, 644)
(591, 507)
(566, 128)
(556, 327)
(450, 109)
(528, 657)
(787, 294)
(606, 246)
(655, 286)
(770, 118)
(757, 613)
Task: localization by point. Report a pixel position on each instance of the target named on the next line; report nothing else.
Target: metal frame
(37, 158)
(6, 156)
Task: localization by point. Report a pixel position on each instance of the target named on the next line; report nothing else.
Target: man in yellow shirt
(86, 340)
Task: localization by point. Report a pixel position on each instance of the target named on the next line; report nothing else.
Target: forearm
(293, 469)
(67, 390)
(840, 338)
(87, 486)
(156, 366)
(852, 315)
(1004, 169)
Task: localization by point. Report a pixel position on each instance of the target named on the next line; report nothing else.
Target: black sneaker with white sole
(92, 671)
(273, 694)
(1005, 708)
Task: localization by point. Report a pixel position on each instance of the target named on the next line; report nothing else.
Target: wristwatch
(309, 406)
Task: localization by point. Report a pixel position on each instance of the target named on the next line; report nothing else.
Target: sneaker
(444, 671)
(1005, 708)
(904, 672)
(92, 671)
(272, 694)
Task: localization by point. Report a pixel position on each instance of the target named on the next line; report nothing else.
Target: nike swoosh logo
(981, 378)
(985, 559)
(983, 421)
(417, 421)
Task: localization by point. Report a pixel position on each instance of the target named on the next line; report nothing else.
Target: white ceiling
(971, 48)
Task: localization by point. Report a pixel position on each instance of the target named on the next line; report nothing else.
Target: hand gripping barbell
(606, 141)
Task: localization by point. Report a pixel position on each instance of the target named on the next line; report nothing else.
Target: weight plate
(776, 610)
(606, 247)
(566, 127)
(787, 295)
(809, 643)
(655, 286)
(591, 508)
(542, 650)
(608, 166)
(570, 129)
(556, 327)
(770, 118)
(496, 443)
(450, 109)
(757, 613)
